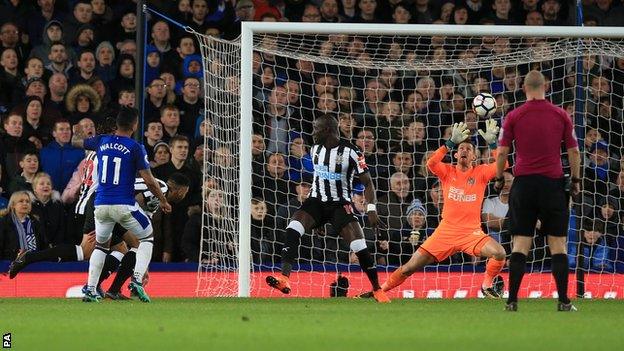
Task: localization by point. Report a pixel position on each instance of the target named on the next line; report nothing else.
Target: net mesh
(395, 98)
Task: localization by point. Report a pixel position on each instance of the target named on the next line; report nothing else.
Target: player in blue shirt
(119, 158)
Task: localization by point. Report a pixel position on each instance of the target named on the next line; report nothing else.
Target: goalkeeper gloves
(459, 133)
(491, 133)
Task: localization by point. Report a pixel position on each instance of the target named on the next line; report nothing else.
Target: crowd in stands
(74, 62)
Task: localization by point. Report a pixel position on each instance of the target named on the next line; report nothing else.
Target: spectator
(595, 251)
(329, 11)
(162, 154)
(161, 36)
(10, 39)
(10, 72)
(376, 161)
(403, 243)
(348, 11)
(395, 203)
(127, 47)
(424, 179)
(278, 118)
(34, 129)
(52, 33)
(272, 186)
(124, 77)
(155, 99)
(82, 14)
(83, 101)
(494, 213)
(19, 230)
(57, 85)
(13, 145)
(367, 12)
(265, 6)
(29, 164)
(191, 106)
(84, 39)
(153, 134)
(58, 59)
(174, 58)
(102, 14)
(551, 12)
(152, 63)
(85, 69)
(311, 14)
(59, 158)
(502, 12)
(39, 20)
(105, 55)
(127, 26)
(245, 11)
(435, 200)
(170, 119)
(299, 160)
(599, 172)
(170, 82)
(534, 18)
(425, 12)
(347, 125)
(258, 153)
(262, 233)
(215, 251)
(47, 207)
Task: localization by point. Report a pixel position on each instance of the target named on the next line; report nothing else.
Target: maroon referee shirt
(538, 127)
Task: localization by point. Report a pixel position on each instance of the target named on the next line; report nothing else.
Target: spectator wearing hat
(51, 33)
(34, 129)
(85, 39)
(599, 172)
(162, 154)
(105, 56)
(403, 242)
(83, 101)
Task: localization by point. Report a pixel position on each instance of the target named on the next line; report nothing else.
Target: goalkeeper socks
(143, 257)
(96, 263)
(368, 266)
(396, 278)
(110, 265)
(492, 268)
(559, 267)
(517, 265)
(59, 253)
(125, 271)
(290, 250)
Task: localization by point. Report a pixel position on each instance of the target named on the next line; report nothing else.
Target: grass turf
(310, 324)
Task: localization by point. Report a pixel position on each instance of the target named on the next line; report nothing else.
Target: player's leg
(352, 233)
(113, 259)
(126, 268)
(560, 270)
(104, 224)
(522, 219)
(300, 222)
(419, 259)
(58, 253)
(495, 253)
(137, 222)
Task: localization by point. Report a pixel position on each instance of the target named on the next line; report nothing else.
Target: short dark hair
(126, 118)
(30, 152)
(178, 138)
(179, 179)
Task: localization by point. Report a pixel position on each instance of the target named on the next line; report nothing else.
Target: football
(484, 105)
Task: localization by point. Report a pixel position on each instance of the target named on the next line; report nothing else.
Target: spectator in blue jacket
(59, 158)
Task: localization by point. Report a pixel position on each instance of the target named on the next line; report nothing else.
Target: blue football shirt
(119, 159)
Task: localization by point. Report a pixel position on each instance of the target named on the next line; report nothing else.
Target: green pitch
(310, 324)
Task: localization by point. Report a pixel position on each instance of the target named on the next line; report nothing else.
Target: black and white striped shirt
(89, 181)
(151, 201)
(334, 170)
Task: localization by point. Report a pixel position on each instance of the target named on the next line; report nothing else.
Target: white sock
(95, 267)
(118, 255)
(79, 253)
(143, 258)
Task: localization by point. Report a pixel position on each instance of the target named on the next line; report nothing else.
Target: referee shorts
(534, 197)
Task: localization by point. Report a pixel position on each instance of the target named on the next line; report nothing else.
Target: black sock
(59, 253)
(517, 265)
(125, 271)
(111, 263)
(290, 250)
(559, 267)
(368, 266)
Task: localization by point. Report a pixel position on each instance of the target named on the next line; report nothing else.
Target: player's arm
(459, 133)
(78, 136)
(154, 187)
(574, 155)
(371, 200)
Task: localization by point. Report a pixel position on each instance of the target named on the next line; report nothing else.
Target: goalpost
(393, 82)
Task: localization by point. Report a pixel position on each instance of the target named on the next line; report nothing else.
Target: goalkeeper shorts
(446, 241)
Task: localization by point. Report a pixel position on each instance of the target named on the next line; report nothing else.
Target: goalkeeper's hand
(459, 133)
(491, 133)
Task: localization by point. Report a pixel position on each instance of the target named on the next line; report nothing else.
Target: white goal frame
(249, 29)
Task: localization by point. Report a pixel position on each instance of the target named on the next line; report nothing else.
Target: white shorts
(132, 218)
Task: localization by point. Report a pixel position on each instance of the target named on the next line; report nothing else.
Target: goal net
(395, 97)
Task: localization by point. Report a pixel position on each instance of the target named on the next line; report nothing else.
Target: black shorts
(89, 223)
(536, 197)
(339, 214)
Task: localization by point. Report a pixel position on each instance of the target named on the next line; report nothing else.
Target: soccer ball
(484, 105)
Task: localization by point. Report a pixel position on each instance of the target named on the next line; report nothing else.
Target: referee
(536, 129)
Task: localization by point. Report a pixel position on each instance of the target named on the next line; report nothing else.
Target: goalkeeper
(460, 229)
